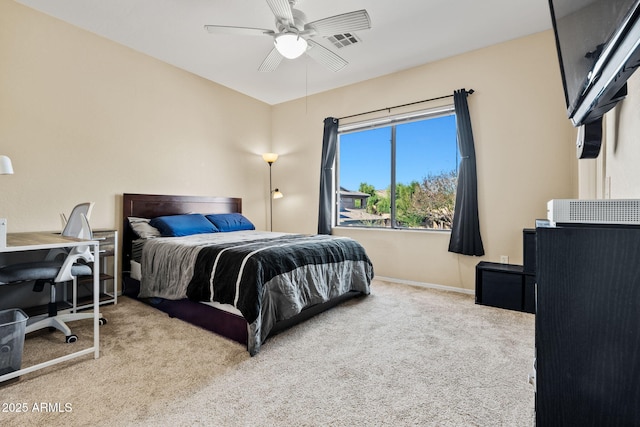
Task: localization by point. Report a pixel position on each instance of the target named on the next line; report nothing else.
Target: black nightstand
(507, 285)
(500, 285)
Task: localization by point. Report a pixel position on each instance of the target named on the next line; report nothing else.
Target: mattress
(136, 273)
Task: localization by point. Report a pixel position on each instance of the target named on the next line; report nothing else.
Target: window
(400, 173)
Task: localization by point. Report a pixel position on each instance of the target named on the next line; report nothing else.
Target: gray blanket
(268, 277)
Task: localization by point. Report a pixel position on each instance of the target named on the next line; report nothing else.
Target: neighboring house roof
(355, 194)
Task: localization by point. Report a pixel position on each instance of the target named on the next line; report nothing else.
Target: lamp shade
(277, 194)
(270, 157)
(6, 168)
(290, 45)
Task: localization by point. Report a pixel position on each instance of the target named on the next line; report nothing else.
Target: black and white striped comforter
(268, 277)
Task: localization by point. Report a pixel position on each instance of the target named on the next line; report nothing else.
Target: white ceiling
(404, 34)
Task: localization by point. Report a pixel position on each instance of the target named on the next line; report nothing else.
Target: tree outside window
(412, 163)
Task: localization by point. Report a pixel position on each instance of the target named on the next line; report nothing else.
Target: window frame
(388, 121)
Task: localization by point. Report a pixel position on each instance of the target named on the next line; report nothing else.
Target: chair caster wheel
(102, 321)
(71, 338)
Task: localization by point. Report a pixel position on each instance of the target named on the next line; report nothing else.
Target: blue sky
(423, 147)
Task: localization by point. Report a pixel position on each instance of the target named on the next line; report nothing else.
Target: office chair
(58, 269)
(74, 227)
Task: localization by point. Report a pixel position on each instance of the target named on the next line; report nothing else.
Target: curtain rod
(470, 91)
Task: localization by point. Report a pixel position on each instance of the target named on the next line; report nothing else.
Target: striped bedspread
(268, 277)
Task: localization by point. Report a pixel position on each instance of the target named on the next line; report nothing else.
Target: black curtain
(329, 144)
(465, 232)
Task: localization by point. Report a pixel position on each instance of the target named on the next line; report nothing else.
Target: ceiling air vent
(343, 40)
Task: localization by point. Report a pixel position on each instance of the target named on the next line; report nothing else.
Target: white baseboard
(427, 285)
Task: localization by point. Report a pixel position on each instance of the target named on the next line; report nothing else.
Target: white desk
(23, 242)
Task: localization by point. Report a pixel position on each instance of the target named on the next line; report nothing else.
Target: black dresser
(588, 327)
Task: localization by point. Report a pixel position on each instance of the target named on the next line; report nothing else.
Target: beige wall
(616, 171)
(86, 119)
(524, 146)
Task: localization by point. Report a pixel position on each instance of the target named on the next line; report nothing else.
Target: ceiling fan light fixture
(290, 45)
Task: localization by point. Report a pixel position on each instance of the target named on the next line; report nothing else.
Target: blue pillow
(230, 222)
(182, 225)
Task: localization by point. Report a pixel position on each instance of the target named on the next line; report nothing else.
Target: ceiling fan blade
(243, 31)
(282, 10)
(271, 62)
(325, 57)
(338, 24)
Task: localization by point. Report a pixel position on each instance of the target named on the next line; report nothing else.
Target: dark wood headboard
(153, 205)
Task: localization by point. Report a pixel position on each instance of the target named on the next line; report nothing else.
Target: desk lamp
(6, 168)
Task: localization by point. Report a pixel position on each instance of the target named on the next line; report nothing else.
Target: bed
(241, 283)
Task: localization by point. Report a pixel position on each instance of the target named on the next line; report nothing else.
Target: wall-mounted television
(598, 43)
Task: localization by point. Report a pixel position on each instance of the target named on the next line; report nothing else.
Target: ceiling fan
(293, 36)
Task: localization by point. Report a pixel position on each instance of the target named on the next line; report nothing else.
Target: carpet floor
(402, 356)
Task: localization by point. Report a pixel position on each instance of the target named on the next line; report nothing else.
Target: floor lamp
(270, 158)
